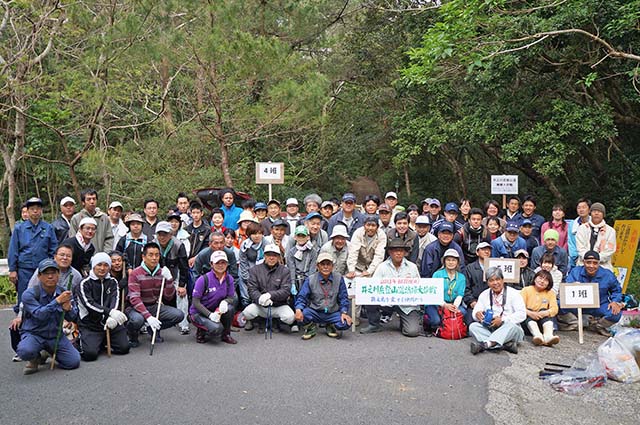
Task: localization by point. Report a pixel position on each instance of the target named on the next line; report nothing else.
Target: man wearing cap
(132, 243)
(598, 236)
(301, 258)
(174, 257)
(526, 233)
(312, 203)
(260, 210)
(103, 236)
(61, 224)
(317, 236)
(611, 303)
(451, 212)
(432, 256)
(550, 246)
(326, 210)
(118, 228)
(396, 266)
(292, 216)
(582, 209)
(507, 310)
(338, 248)
(273, 214)
(279, 236)
(98, 301)
(434, 210)
(82, 245)
(323, 299)
(31, 242)
(391, 200)
(269, 285)
(423, 227)
(476, 283)
(348, 216)
(526, 273)
(43, 306)
(144, 291)
(213, 295)
(386, 222)
(508, 243)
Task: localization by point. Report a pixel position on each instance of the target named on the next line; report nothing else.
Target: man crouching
(323, 299)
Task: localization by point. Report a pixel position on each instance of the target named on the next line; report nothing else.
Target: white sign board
(351, 286)
(510, 268)
(399, 291)
(579, 295)
(269, 172)
(504, 185)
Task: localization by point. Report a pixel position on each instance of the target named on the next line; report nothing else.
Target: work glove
(166, 273)
(154, 323)
(111, 323)
(215, 316)
(223, 307)
(268, 302)
(118, 316)
(263, 299)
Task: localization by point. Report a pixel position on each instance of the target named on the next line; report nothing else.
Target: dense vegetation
(145, 97)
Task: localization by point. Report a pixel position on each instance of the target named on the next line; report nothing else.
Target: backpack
(452, 326)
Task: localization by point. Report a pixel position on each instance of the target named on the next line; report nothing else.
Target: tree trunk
(406, 180)
(218, 127)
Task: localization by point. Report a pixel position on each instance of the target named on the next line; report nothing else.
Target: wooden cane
(108, 342)
(124, 273)
(153, 338)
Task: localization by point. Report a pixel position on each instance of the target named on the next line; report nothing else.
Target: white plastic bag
(618, 361)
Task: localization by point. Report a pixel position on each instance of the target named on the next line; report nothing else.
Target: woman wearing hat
(132, 243)
(454, 286)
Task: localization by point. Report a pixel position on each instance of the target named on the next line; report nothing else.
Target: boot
(602, 327)
(310, 331)
(549, 338)
(567, 322)
(535, 331)
(227, 338)
(201, 336)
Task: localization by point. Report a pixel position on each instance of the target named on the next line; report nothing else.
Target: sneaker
(134, 343)
(159, 339)
(185, 331)
(248, 326)
(332, 332)
(385, 318)
(294, 328)
(31, 367)
(511, 347)
(144, 330)
(370, 329)
(477, 347)
(16, 358)
(310, 331)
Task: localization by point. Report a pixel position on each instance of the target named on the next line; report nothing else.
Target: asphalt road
(383, 378)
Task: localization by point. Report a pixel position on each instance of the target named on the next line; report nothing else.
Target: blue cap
(280, 222)
(33, 201)
(349, 197)
(260, 206)
(525, 222)
(47, 263)
(445, 227)
(512, 226)
(451, 206)
(311, 215)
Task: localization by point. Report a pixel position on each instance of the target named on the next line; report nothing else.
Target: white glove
(263, 298)
(118, 316)
(166, 273)
(111, 323)
(223, 307)
(154, 323)
(268, 302)
(215, 317)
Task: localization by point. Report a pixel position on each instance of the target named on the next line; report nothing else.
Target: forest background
(139, 98)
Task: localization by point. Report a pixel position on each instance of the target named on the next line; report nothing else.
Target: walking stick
(108, 342)
(55, 347)
(270, 324)
(155, 332)
(124, 273)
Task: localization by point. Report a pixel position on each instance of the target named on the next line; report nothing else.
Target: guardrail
(4, 267)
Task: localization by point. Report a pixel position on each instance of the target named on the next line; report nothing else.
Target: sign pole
(353, 309)
(580, 330)
(270, 192)
(504, 202)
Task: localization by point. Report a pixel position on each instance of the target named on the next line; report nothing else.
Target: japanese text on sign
(510, 268)
(579, 295)
(504, 185)
(269, 172)
(399, 291)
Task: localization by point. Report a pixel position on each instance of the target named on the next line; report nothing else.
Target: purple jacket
(218, 291)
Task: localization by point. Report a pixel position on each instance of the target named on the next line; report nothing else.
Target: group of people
(111, 276)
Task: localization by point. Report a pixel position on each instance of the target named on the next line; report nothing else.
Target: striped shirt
(144, 290)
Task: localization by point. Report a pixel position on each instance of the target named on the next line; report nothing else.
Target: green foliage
(7, 291)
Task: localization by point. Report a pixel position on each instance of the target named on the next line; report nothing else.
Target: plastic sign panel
(504, 185)
(579, 295)
(510, 268)
(351, 286)
(399, 291)
(627, 234)
(269, 172)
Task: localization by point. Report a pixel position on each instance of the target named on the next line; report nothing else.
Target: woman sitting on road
(542, 307)
(454, 286)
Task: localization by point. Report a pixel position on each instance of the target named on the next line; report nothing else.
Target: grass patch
(7, 291)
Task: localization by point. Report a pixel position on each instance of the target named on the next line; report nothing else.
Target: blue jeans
(434, 318)
(320, 317)
(30, 346)
(603, 311)
(213, 328)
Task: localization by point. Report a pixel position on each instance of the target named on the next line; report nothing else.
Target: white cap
(67, 199)
(391, 195)
(87, 220)
(217, 256)
(100, 257)
(422, 219)
(272, 248)
(115, 204)
(339, 230)
(483, 245)
(451, 253)
(163, 226)
(292, 201)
